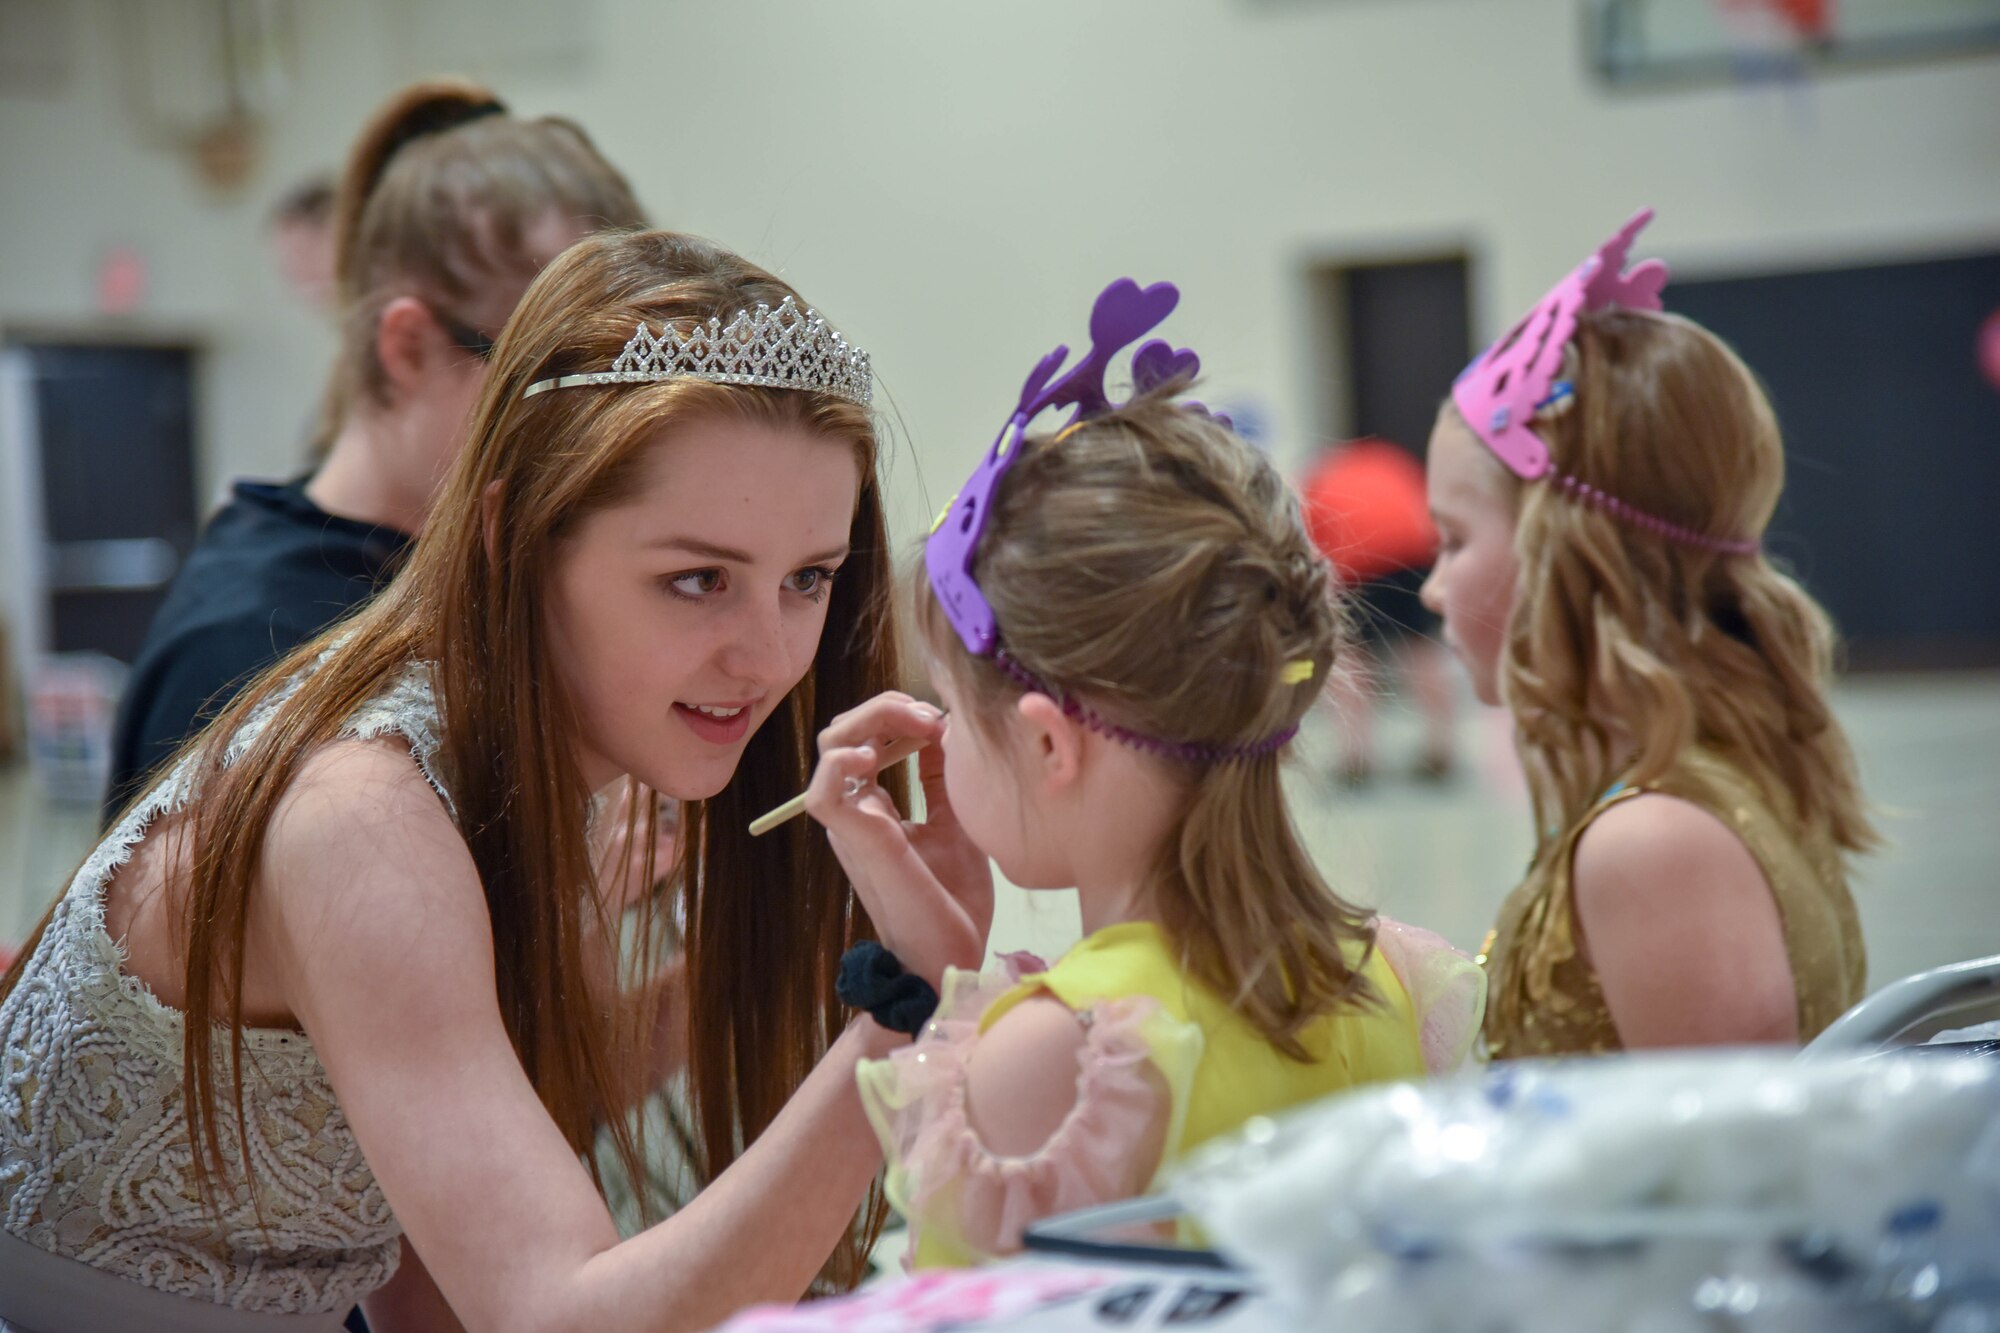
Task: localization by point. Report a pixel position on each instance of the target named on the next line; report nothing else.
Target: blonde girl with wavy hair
(1126, 620)
(1602, 479)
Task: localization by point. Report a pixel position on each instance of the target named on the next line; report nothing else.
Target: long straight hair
(767, 919)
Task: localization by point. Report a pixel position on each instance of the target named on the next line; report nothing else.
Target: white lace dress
(99, 1223)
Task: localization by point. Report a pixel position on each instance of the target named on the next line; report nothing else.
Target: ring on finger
(853, 787)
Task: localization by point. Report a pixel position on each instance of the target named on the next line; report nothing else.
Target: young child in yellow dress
(1126, 620)
(1601, 478)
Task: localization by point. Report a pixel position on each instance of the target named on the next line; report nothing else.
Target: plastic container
(1645, 1194)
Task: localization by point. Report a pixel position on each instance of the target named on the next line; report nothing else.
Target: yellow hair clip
(1298, 672)
(944, 513)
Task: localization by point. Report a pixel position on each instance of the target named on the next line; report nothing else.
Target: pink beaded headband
(1510, 383)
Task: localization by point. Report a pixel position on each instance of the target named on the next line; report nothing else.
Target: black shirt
(271, 570)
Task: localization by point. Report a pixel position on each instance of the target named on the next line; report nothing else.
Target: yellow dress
(1148, 1025)
(1545, 1000)
(1240, 1074)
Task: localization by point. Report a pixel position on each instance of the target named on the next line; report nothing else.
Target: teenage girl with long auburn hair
(334, 1011)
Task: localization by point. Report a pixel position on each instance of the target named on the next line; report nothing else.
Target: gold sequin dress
(1543, 999)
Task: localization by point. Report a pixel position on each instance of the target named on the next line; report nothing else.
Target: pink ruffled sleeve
(1447, 991)
(966, 1204)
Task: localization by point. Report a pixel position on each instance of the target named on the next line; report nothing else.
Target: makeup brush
(892, 754)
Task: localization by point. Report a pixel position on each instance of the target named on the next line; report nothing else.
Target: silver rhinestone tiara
(786, 348)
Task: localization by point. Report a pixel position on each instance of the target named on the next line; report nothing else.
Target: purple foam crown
(1124, 313)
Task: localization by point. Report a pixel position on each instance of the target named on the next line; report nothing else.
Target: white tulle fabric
(1134, 1068)
(1447, 991)
(95, 1159)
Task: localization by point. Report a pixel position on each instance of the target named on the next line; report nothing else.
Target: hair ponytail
(437, 198)
(1250, 913)
(431, 107)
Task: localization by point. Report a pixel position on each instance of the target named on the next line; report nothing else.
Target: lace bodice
(95, 1159)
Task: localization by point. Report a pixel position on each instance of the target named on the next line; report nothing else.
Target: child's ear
(1054, 739)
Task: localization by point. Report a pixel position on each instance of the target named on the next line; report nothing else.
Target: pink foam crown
(1502, 389)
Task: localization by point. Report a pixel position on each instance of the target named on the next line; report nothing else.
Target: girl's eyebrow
(710, 551)
(706, 550)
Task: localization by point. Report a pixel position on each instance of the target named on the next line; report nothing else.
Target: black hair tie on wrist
(872, 978)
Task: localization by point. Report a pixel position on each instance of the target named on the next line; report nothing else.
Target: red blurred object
(121, 281)
(1367, 510)
(1808, 18)
(1989, 348)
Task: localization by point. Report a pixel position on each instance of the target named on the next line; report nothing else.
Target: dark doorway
(1892, 442)
(1409, 336)
(114, 438)
(1398, 334)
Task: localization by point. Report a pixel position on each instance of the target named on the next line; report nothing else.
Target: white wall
(79, 175)
(951, 182)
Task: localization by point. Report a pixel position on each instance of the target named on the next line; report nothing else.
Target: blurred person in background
(301, 234)
(1366, 508)
(447, 208)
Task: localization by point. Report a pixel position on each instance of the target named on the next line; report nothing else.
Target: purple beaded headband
(1517, 379)
(1124, 313)
(1193, 752)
